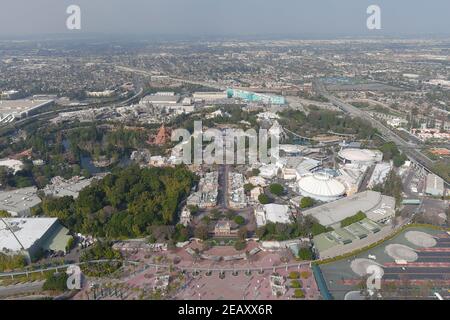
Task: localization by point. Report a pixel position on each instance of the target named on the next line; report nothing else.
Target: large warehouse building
(360, 156)
(321, 187)
(31, 236)
(255, 97)
(377, 207)
(17, 109)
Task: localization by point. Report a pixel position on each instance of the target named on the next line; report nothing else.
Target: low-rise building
(31, 236)
(272, 212)
(61, 187)
(206, 196)
(13, 164)
(377, 207)
(238, 198)
(19, 202)
(222, 228)
(379, 174)
(434, 185)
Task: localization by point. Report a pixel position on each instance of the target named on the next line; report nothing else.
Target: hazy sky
(225, 17)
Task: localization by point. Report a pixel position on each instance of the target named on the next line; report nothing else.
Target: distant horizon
(225, 18)
(216, 37)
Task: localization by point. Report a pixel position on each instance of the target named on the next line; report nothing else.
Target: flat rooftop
(373, 204)
(61, 187)
(18, 232)
(19, 200)
(19, 106)
(346, 235)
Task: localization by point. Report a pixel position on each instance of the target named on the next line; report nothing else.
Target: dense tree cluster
(303, 227)
(56, 282)
(276, 189)
(393, 187)
(305, 254)
(323, 121)
(391, 152)
(126, 203)
(264, 199)
(306, 202)
(62, 148)
(100, 251)
(11, 262)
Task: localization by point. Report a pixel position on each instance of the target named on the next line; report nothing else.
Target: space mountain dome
(321, 187)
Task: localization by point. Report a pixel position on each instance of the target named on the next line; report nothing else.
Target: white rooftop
(375, 205)
(15, 165)
(277, 213)
(361, 155)
(321, 185)
(26, 232)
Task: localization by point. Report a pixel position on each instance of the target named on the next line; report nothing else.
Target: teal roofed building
(255, 97)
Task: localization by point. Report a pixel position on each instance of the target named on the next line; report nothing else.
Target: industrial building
(161, 98)
(18, 109)
(360, 156)
(321, 187)
(377, 207)
(209, 96)
(19, 202)
(255, 97)
(31, 236)
(434, 186)
(61, 187)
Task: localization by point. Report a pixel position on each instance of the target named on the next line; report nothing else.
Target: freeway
(415, 155)
(50, 114)
(194, 82)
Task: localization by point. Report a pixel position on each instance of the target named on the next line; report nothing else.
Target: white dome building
(360, 156)
(321, 187)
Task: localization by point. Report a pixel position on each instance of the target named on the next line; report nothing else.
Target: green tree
(305, 254)
(317, 229)
(263, 199)
(276, 189)
(248, 187)
(306, 202)
(242, 233)
(299, 294)
(239, 220)
(240, 245)
(56, 282)
(4, 214)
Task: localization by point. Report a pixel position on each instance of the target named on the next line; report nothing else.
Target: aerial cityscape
(224, 168)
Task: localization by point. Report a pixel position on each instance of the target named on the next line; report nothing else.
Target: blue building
(255, 97)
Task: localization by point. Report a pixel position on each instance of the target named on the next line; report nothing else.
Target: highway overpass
(414, 155)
